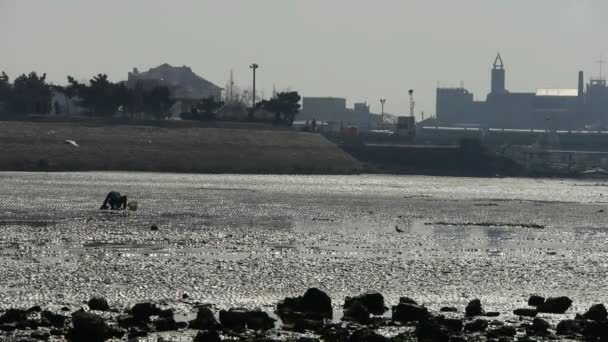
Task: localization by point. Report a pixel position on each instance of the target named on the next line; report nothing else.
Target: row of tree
(31, 94)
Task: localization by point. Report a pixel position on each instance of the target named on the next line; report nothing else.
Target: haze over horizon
(360, 50)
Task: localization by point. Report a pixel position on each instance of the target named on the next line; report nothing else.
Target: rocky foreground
(307, 318)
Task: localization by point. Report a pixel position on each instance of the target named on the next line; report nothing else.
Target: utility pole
(382, 102)
(412, 103)
(254, 67)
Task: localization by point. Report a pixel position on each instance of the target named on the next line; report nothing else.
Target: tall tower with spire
(498, 76)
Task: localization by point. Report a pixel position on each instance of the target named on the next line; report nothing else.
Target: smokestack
(580, 104)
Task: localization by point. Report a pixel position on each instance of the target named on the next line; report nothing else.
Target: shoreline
(308, 317)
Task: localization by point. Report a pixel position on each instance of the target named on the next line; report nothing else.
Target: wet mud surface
(249, 241)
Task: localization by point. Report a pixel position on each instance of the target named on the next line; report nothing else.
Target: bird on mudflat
(71, 142)
(399, 230)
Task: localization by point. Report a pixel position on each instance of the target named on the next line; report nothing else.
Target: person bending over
(115, 200)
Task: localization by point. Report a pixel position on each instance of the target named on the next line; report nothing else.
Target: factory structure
(557, 109)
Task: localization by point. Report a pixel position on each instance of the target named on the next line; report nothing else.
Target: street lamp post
(254, 67)
(382, 102)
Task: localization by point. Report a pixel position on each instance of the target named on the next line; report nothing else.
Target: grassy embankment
(30, 146)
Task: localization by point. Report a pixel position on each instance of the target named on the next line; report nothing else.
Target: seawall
(28, 146)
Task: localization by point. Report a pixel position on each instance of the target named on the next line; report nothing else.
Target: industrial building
(334, 112)
(568, 109)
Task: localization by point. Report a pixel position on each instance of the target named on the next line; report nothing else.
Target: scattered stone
(357, 312)
(407, 300)
(204, 320)
(453, 324)
(492, 314)
(49, 318)
(476, 325)
(125, 321)
(597, 312)
(525, 312)
(373, 301)
(568, 327)
(239, 319)
(430, 330)
(506, 330)
(540, 327)
(409, 313)
(40, 335)
(535, 300)
(154, 227)
(365, 335)
(98, 304)
(474, 308)
(207, 336)
(65, 308)
(557, 305)
(169, 324)
(13, 316)
(143, 311)
(315, 304)
(185, 296)
(35, 308)
(88, 327)
(448, 309)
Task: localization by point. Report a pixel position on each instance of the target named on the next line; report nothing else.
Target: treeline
(31, 94)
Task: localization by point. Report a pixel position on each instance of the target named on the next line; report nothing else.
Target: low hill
(28, 146)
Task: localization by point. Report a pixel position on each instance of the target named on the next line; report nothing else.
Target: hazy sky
(357, 49)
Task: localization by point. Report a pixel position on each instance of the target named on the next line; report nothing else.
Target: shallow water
(250, 241)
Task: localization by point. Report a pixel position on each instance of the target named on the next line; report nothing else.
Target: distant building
(186, 87)
(333, 111)
(546, 109)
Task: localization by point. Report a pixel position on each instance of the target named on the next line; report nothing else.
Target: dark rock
(65, 308)
(98, 304)
(525, 312)
(40, 335)
(410, 313)
(8, 327)
(88, 327)
(55, 320)
(557, 305)
(492, 314)
(114, 332)
(307, 339)
(185, 296)
(448, 309)
(238, 319)
(407, 300)
(302, 325)
(597, 312)
(315, 304)
(143, 311)
(204, 320)
(168, 324)
(373, 301)
(357, 312)
(594, 330)
(207, 336)
(453, 324)
(135, 333)
(476, 325)
(568, 327)
(365, 335)
(506, 330)
(58, 332)
(334, 332)
(126, 321)
(13, 316)
(166, 313)
(35, 308)
(535, 300)
(259, 320)
(431, 330)
(540, 327)
(154, 227)
(474, 308)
